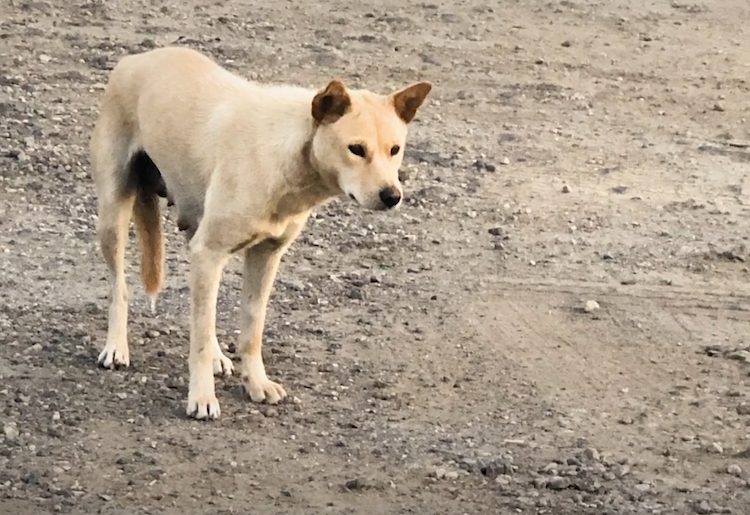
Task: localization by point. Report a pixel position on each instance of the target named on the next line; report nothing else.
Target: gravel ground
(557, 321)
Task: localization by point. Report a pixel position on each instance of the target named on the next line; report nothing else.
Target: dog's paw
(114, 357)
(264, 390)
(203, 407)
(223, 366)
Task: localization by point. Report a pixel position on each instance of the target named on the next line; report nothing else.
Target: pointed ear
(331, 103)
(407, 101)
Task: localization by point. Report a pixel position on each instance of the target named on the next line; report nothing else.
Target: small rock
(43, 58)
(440, 473)
(271, 412)
(451, 475)
(591, 453)
(565, 188)
(355, 294)
(503, 480)
(11, 432)
(740, 355)
(55, 416)
(558, 483)
(505, 161)
(566, 44)
(703, 508)
(484, 165)
(621, 471)
(718, 108)
(734, 470)
(626, 421)
(743, 409)
(355, 484)
(591, 306)
(715, 448)
(153, 333)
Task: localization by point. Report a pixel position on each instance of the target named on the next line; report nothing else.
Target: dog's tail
(147, 217)
(151, 241)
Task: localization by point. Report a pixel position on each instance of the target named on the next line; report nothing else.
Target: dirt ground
(439, 359)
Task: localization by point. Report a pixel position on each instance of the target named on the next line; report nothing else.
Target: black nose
(390, 196)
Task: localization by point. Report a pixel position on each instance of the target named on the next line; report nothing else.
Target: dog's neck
(308, 186)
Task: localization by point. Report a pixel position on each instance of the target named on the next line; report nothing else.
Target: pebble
(715, 448)
(558, 483)
(740, 355)
(734, 470)
(565, 188)
(703, 508)
(743, 409)
(153, 333)
(591, 306)
(591, 453)
(505, 161)
(503, 480)
(11, 432)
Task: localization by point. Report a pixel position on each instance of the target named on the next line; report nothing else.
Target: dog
(244, 164)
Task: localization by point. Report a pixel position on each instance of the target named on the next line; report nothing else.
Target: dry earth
(440, 357)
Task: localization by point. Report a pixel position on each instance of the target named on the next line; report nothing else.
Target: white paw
(258, 386)
(203, 406)
(266, 390)
(113, 357)
(202, 402)
(223, 366)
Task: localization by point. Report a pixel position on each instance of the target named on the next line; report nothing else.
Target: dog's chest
(274, 233)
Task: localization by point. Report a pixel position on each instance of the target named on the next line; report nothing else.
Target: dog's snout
(390, 196)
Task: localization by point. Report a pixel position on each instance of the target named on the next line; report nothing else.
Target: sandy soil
(441, 358)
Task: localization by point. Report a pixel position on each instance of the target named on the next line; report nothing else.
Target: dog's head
(359, 140)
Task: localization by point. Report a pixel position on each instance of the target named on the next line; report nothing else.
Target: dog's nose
(390, 196)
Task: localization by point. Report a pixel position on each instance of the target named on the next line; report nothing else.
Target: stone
(558, 483)
(591, 306)
(734, 470)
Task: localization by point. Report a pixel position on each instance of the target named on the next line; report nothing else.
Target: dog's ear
(331, 103)
(407, 101)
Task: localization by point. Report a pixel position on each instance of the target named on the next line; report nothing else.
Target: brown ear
(407, 101)
(330, 104)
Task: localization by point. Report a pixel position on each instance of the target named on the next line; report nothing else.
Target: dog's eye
(395, 149)
(357, 150)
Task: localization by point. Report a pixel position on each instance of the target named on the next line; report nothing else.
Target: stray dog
(244, 164)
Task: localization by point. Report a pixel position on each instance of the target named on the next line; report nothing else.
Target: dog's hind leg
(114, 219)
(115, 196)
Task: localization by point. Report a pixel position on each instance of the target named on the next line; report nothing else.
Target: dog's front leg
(206, 265)
(261, 265)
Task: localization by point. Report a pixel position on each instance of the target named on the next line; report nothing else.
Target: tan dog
(244, 164)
